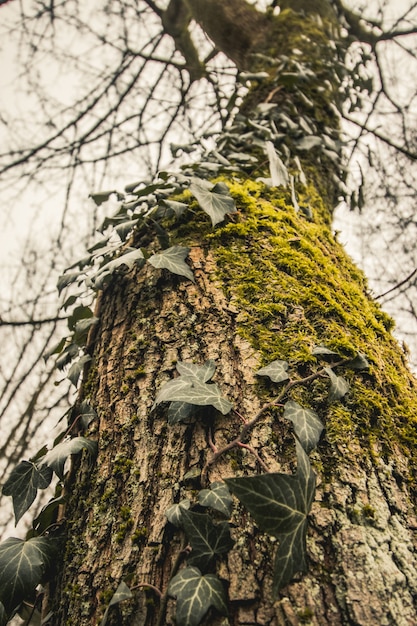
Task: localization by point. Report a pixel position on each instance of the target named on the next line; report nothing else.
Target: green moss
(368, 511)
(305, 616)
(122, 465)
(295, 287)
(140, 535)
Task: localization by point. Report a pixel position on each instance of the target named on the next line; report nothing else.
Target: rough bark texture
(269, 284)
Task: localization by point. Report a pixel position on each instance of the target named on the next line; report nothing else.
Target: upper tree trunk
(270, 284)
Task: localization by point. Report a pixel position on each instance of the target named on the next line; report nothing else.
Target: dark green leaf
(47, 515)
(102, 196)
(174, 512)
(22, 566)
(280, 504)
(67, 279)
(125, 228)
(290, 557)
(206, 538)
(67, 355)
(216, 205)
(80, 313)
(129, 259)
(202, 372)
(81, 330)
(339, 386)
(77, 368)
(324, 353)
(307, 425)
(56, 348)
(87, 413)
(360, 362)
(3, 615)
(180, 412)
(276, 371)
(217, 497)
(23, 484)
(177, 207)
(192, 390)
(122, 593)
(195, 594)
(172, 259)
(56, 457)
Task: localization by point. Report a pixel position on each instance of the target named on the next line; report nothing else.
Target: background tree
(288, 173)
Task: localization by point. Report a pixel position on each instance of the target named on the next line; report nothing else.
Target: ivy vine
(278, 502)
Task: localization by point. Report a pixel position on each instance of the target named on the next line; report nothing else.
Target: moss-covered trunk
(271, 283)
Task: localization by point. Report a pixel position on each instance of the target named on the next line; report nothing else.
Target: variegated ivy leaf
(179, 412)
(204, 372)
(22, 566)
(213, 199)
(23, 484)
(173, 514)
(280, 504)
(307, 425)
(278, 171)
(195, 594)
(339, 386)
(191, 387)
(276, 371)
(172, 259)
(57, 457)
(217, 497)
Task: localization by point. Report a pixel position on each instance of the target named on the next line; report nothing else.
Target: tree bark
(270, 283)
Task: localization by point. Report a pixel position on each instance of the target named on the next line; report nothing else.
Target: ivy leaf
(279, 173)
(179, 412)
(174, 513)
(103, 196)
(280, 504)
(23, 484)
(195, 594)
(56, 457)
(129, 259)
(339, 386)
(360, 362)
(67, 279)
(87, 413)
(3, 615)
(203, 372)
(217, 497)
(22, 566)
(122, 593)
(47, 515)
(307, 425)
(177, 208)
(324, 353)
(206, 538)
(276, 371)
(81, 330)
(192, 390)
(214, 201)
(77, 368)
(172, 259)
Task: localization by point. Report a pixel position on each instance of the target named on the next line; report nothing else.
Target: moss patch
(295, 287)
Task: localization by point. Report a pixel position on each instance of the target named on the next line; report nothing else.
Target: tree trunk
(271, 282)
